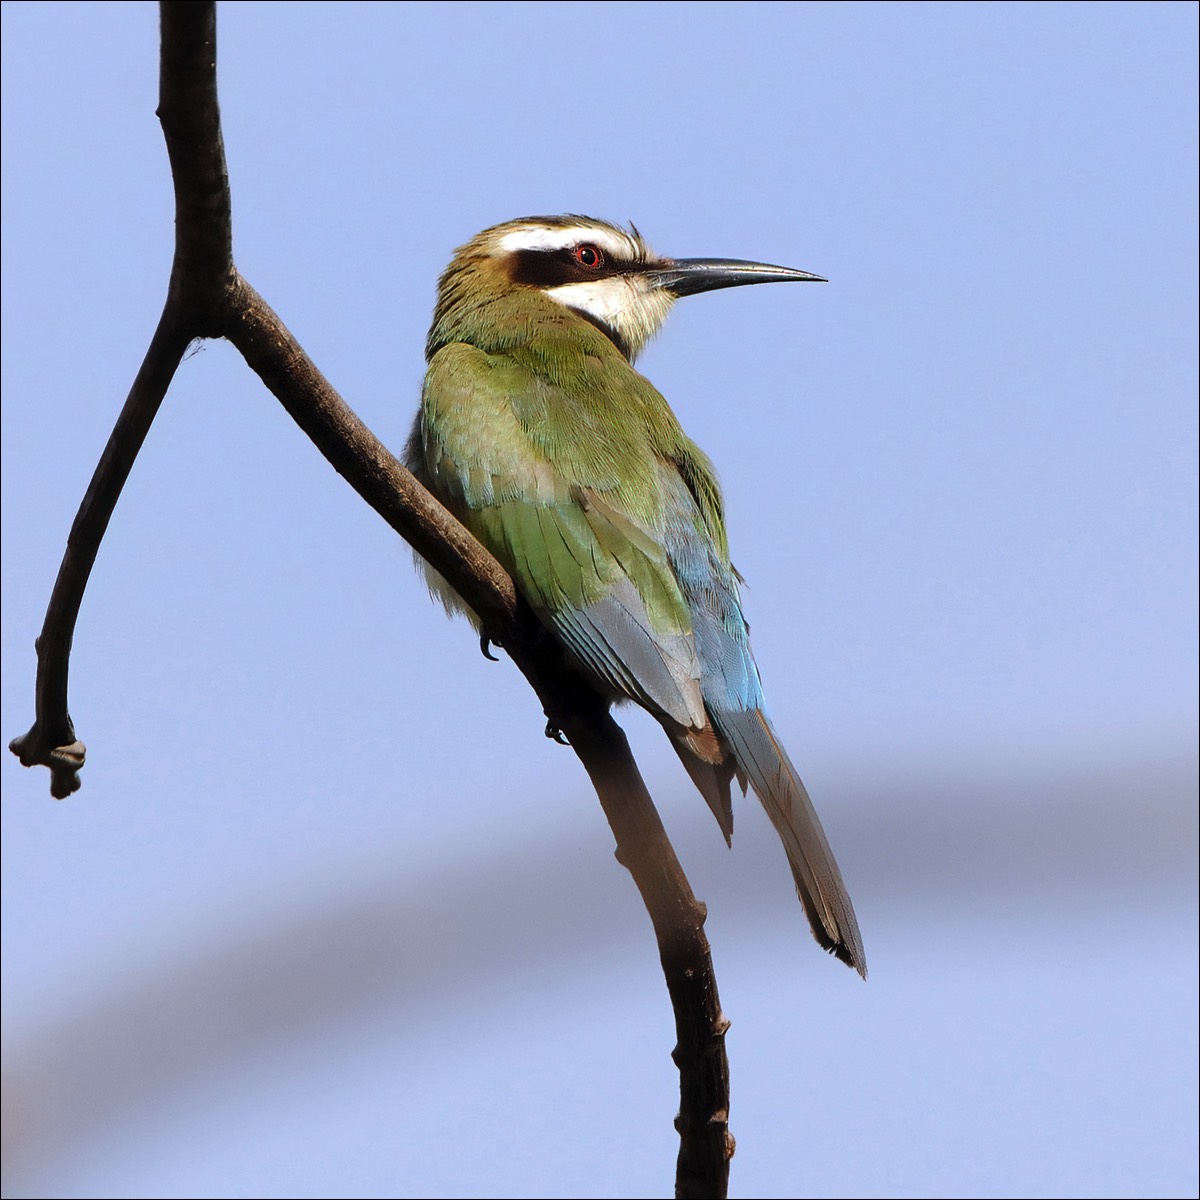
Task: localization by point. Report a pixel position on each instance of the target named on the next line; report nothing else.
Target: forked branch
(208, 298)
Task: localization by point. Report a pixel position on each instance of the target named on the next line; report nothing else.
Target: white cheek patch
(613, 242)
(605, 299)
(633, 309)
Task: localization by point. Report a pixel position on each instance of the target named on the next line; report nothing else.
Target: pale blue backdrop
(330, 916)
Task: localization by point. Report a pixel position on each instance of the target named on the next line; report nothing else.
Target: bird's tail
(819, 884)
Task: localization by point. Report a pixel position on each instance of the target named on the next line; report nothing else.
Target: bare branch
(365, 462)
(705, 1143)
(202, 274)
(51, 741)
(208, 298)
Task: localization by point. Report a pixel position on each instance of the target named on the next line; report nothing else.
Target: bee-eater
(537, 433)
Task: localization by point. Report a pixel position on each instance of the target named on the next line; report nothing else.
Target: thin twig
(208, 298)
(51, 741)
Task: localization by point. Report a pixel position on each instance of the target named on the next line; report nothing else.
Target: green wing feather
(568, 533)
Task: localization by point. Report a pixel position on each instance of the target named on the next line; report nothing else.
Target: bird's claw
(555, 734)
(485, 644)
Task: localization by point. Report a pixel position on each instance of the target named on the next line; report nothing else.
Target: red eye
(589, 256)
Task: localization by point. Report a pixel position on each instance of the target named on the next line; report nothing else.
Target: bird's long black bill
(689, 276)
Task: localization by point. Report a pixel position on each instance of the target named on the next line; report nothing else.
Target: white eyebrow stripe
(545, 237)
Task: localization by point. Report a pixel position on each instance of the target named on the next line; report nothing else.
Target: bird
(537, 432)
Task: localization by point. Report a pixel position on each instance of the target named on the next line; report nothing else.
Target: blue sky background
(330, 916)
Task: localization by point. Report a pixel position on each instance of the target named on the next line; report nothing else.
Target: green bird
(537, 433)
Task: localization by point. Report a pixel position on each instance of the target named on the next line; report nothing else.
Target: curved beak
(689, 276)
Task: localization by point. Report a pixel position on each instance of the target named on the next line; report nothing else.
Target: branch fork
(208, 298)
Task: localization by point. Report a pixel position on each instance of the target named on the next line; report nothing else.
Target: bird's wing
(596, 576)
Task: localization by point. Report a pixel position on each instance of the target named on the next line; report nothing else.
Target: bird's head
(605, 274)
